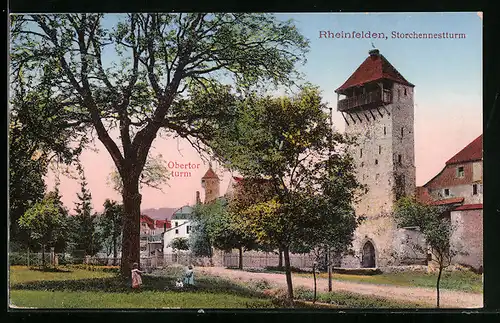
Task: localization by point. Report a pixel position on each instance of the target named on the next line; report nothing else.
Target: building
(460, 185)
(181, 227)
(152, 235)
(377, 105)
(211, 183)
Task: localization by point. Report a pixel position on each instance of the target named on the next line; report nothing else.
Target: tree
(215, 226)
(180, 244)
(289, 142)
(167, 78)
(85, 235)
(435, 227)
(46, 222)
(110, 224)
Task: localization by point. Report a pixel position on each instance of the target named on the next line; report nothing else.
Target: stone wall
(468, 237)
(385, 162)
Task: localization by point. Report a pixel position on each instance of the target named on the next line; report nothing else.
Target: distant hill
(161, 213)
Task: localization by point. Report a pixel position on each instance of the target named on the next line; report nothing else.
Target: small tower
(377, 105)
(211, 183)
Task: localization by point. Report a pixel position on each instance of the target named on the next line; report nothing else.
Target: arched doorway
(368, 256)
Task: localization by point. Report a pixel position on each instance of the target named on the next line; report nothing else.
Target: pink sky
(441, 130)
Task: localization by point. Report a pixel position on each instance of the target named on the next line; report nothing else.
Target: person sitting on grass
(136, 276)
(189, 276)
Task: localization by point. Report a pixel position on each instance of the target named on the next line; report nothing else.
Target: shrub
(304, 293)
(262, 284)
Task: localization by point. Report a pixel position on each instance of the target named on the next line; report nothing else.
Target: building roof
(451, 200)
(183, 213)
(375, 67)
(471, 152)
(469, 207)
(146, 219)
(422, 195)
(161, 223)
(210, 174)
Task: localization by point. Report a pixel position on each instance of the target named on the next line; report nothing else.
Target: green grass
(458, 280)
(79, 288)
(351, 300)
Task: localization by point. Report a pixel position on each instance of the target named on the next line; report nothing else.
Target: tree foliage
(165, 73)
(84, 224)
(180, 244)
(110, 226)
(436, 228)
(288, 142)
(47, 222)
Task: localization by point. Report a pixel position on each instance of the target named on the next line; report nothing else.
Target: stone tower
(211, 183)
(377, 105)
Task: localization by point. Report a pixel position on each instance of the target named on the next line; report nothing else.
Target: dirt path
(449, 299)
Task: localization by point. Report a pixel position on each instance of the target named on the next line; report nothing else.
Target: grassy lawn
(79, 288)
(459, 280)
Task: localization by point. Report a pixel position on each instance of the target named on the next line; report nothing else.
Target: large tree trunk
(329, 266)
(240, 261)
(288, 274)
(131, 225)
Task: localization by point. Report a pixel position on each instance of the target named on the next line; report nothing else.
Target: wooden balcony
(366, 100)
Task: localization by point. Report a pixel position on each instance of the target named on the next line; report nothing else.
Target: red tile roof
(210, 174)
(452, 200)
(471, 152)
(469, 207)
(422, 195)
(161, 223)
(374, 68)
(146, 219)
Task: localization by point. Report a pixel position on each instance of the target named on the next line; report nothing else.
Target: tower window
(446, 192)
(402, 132)
(385, 131)
(362, 164)
(474, 189)
(460, 172)
(399, 94)
(405, 91)
(176, 224)
(400, 158)
(376, 161)
(176, 231)
(379, 149)
(361, 153)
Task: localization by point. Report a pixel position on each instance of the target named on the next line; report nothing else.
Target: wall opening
(400, 159)
(474, 189)
(460, 172)
(446, 192)
(376, 161)
(361, 153)
(368, 255)
(385, 131)
(379, 150)
(402, 132)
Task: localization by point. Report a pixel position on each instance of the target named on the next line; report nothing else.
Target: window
(460, 172)
(379, 149)
(405, 91)
(176, 224)
(176, 231)
(376, 161)
(399, 94)
(446, 192)
(385, 131)
(474, 189)
(188, 228)
(402, 132)
(361, 153)
(400, 159)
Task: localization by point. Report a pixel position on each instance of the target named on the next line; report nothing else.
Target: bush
(262, 284)
(304, 293)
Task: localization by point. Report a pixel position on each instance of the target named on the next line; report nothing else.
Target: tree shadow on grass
(150, 283)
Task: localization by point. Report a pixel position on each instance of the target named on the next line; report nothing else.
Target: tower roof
(210, 174)
(375, 67)
(471, 152)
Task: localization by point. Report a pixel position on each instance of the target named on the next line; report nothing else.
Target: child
(136, 276)
(189, 277)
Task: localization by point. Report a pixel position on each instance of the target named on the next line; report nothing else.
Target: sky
(447, 74)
